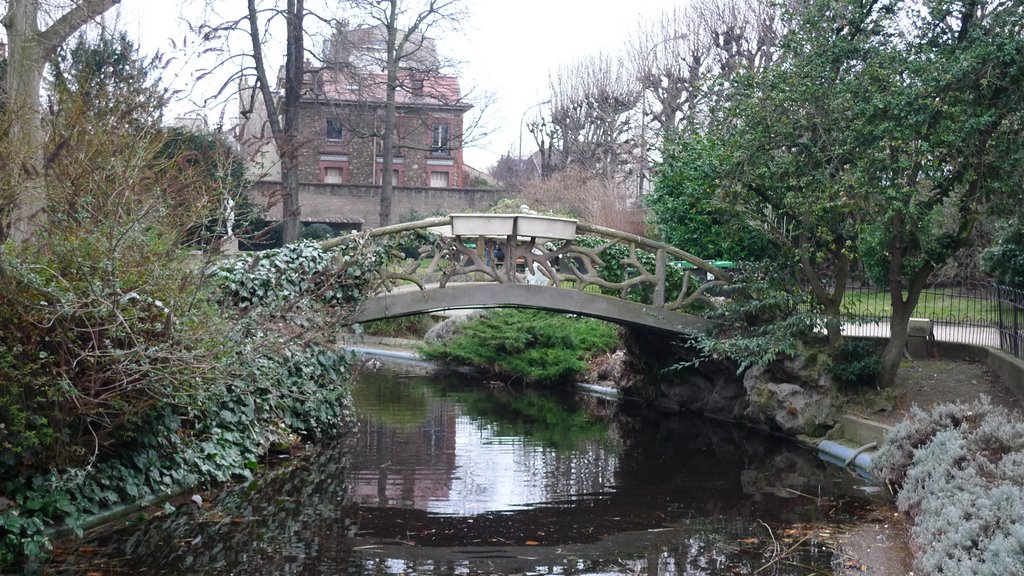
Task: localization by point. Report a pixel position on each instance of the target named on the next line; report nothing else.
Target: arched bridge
(489, 260)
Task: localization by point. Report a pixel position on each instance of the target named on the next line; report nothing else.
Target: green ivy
(230, 384)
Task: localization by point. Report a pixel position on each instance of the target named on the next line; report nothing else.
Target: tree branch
(71, 21)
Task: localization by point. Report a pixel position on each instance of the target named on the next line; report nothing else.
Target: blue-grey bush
(960, 470)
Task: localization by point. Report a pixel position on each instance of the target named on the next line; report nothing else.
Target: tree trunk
(902, 308)
(294, 76)
(290, 224)
(831, 301)
(390, 116)
(833, 326)
(285, 111)
(25, 60)
(29, 50)
(894, 350)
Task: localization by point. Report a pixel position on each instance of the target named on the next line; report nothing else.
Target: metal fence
(969, 312)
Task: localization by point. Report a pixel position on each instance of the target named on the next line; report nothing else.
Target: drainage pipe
(859, 458)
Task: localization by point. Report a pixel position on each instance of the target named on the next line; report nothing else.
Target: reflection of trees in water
(692, 547)
(722, 468)
(292, 520)
(677, 498)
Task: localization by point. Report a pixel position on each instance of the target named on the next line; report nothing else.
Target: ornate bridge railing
(539, 250)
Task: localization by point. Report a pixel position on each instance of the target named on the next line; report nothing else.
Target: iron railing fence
(970, 312)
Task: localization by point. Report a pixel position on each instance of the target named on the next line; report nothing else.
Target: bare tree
(31, 47)
(514, 172)
(260, 88)
(590, 197)
(283, 115)
(588, 125)
(406, 25)
(685, 60)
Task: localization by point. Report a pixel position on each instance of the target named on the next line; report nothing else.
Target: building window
(439, 143)
(334, 129)
(440, 179)
(334, 175)
(396, 177)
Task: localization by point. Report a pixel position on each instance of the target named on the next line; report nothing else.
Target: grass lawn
(939, 304)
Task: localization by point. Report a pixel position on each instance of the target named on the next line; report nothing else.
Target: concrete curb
(854, 431)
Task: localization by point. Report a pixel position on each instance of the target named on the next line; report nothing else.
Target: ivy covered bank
(123, 379)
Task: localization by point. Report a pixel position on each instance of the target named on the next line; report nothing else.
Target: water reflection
(444, 476)
(462, 450)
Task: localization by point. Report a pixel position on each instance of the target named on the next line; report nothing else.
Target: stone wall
(342, 203)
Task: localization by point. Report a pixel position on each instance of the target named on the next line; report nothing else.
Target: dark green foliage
(763, 317)
(881, 133)
(124, 372)
(857, 363)
(531, 345)
(317, 231)
(686, 205)
(91, 348)
(105, 79)
(1005, 260)
(109, 399)
(959, 469)
(414, 326)
(301, 276)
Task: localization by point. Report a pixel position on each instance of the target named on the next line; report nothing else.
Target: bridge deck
(492, 295)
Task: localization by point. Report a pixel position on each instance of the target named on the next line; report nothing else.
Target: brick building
(341, 124)
(343, 118)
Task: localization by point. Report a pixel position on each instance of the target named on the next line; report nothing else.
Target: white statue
(229, 215)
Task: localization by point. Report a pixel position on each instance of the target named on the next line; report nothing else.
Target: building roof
(415, 89)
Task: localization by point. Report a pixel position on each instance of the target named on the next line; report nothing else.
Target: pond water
(450, 475)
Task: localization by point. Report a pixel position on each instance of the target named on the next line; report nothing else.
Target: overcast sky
(508, 48)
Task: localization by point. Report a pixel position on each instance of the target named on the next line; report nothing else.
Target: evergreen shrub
(317, 231)
(858, 363)
(531, 345)
(414, 326)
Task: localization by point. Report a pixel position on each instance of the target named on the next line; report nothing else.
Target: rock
(693, 392)
(613, 370)
(806, 368)
(446, 329)
(787, 407)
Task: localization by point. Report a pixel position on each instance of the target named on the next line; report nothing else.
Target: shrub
(960, 470)
(763, 318)
(1005, 260)
(123, 371)
(532, 345)
(317, 231)
(857, 363)
(414, 326)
